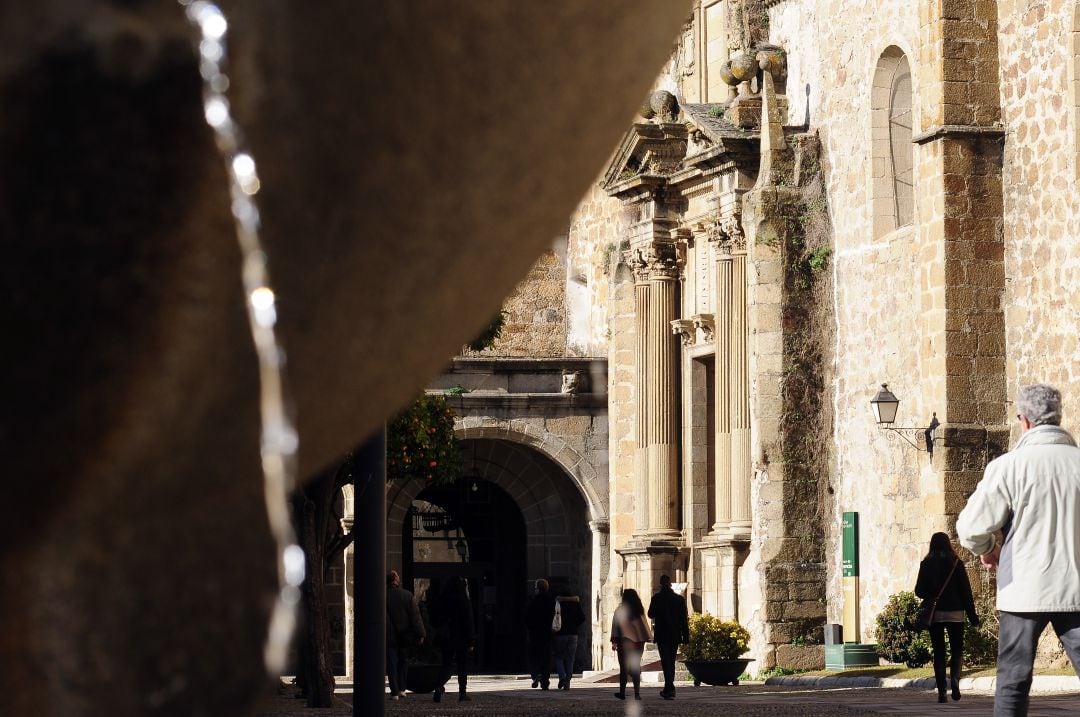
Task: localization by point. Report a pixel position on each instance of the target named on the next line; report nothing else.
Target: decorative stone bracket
(684, 329)
(706, 323)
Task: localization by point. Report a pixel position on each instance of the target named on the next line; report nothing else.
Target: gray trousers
(1018, 638)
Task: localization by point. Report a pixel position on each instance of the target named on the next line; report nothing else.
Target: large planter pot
(716, 672)
(422, 678)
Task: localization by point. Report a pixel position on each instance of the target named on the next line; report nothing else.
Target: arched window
(893, 154)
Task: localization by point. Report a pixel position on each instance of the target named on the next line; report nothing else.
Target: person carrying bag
(946, 592)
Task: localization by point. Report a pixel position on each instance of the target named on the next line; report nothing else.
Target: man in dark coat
(457, 635)
(670, 628)
(404, 627)
(538, 619)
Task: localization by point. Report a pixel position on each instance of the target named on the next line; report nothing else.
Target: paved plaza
(506, 696)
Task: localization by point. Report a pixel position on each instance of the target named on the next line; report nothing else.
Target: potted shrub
(713, 654)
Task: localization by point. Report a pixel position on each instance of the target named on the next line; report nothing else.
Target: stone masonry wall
(833, 49)
(535, 311)
(598, 226)
(1039, 69)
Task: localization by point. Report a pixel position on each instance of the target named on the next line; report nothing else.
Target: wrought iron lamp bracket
(912, 434)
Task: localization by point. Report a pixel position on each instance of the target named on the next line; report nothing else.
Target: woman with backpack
(571, 617)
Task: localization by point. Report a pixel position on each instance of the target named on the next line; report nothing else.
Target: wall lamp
(885, 404)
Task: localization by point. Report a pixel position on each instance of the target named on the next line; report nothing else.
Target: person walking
(538, 617)
(566, 639)
(1032, 495)
(404, 628)
(942, 577)
(672, 628)
(629, 633)
(454, 618)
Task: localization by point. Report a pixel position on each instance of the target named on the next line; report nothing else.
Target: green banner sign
(850, 555)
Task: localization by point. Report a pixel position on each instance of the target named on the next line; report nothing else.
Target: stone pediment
(650, 150)
(675, 143)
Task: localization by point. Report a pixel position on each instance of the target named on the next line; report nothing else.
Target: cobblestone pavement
(513, 697)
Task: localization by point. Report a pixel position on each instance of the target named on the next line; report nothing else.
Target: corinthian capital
(656, 260)
(727, 233)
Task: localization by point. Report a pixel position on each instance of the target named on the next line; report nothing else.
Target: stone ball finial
(742, 67)
(772, 59)
(646, 109)
(663, 105)
(725, 74)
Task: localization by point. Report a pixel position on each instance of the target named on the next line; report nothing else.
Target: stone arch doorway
(473, 530)
(556, 540)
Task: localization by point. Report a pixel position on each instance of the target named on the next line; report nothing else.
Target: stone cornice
(954, 131)
(522, 401)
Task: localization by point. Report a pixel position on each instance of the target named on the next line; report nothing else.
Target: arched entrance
(473, 530)
(526, 519)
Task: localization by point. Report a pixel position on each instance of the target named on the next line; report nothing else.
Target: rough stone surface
(397, 214)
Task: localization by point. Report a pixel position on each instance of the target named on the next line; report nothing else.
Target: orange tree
(420, 443)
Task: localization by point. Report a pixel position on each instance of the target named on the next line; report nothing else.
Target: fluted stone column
(740, 400)
(662, 396)
(656, 270)
(722, 419)
(641, 473)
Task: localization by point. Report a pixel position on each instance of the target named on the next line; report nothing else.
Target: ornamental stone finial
(664, 106)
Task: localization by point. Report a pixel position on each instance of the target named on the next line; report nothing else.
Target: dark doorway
(475, 530)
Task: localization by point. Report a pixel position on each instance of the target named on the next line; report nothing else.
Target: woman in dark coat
(454, 619)
(943, 571)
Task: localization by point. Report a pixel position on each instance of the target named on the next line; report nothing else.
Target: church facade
(819, 197)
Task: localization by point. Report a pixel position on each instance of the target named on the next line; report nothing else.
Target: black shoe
(545, 685)
(464, 698)
(437, 697)
(956, 690)
(566, 684)
(668, 695)
(620, 696)
(941, 697)
(535, 684)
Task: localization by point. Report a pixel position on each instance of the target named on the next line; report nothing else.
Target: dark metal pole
(369, 579)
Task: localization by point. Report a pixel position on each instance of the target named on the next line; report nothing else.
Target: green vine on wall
(806, 421)
(490, 334)
(420, 443)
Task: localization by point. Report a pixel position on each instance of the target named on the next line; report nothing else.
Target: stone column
(641, 473)
(347, 520)
(740, 401)
(722, 334)
(661, 409)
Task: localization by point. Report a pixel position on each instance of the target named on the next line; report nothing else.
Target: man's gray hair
(1040, 403)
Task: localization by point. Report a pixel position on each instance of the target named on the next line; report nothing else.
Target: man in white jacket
(1032, 495)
